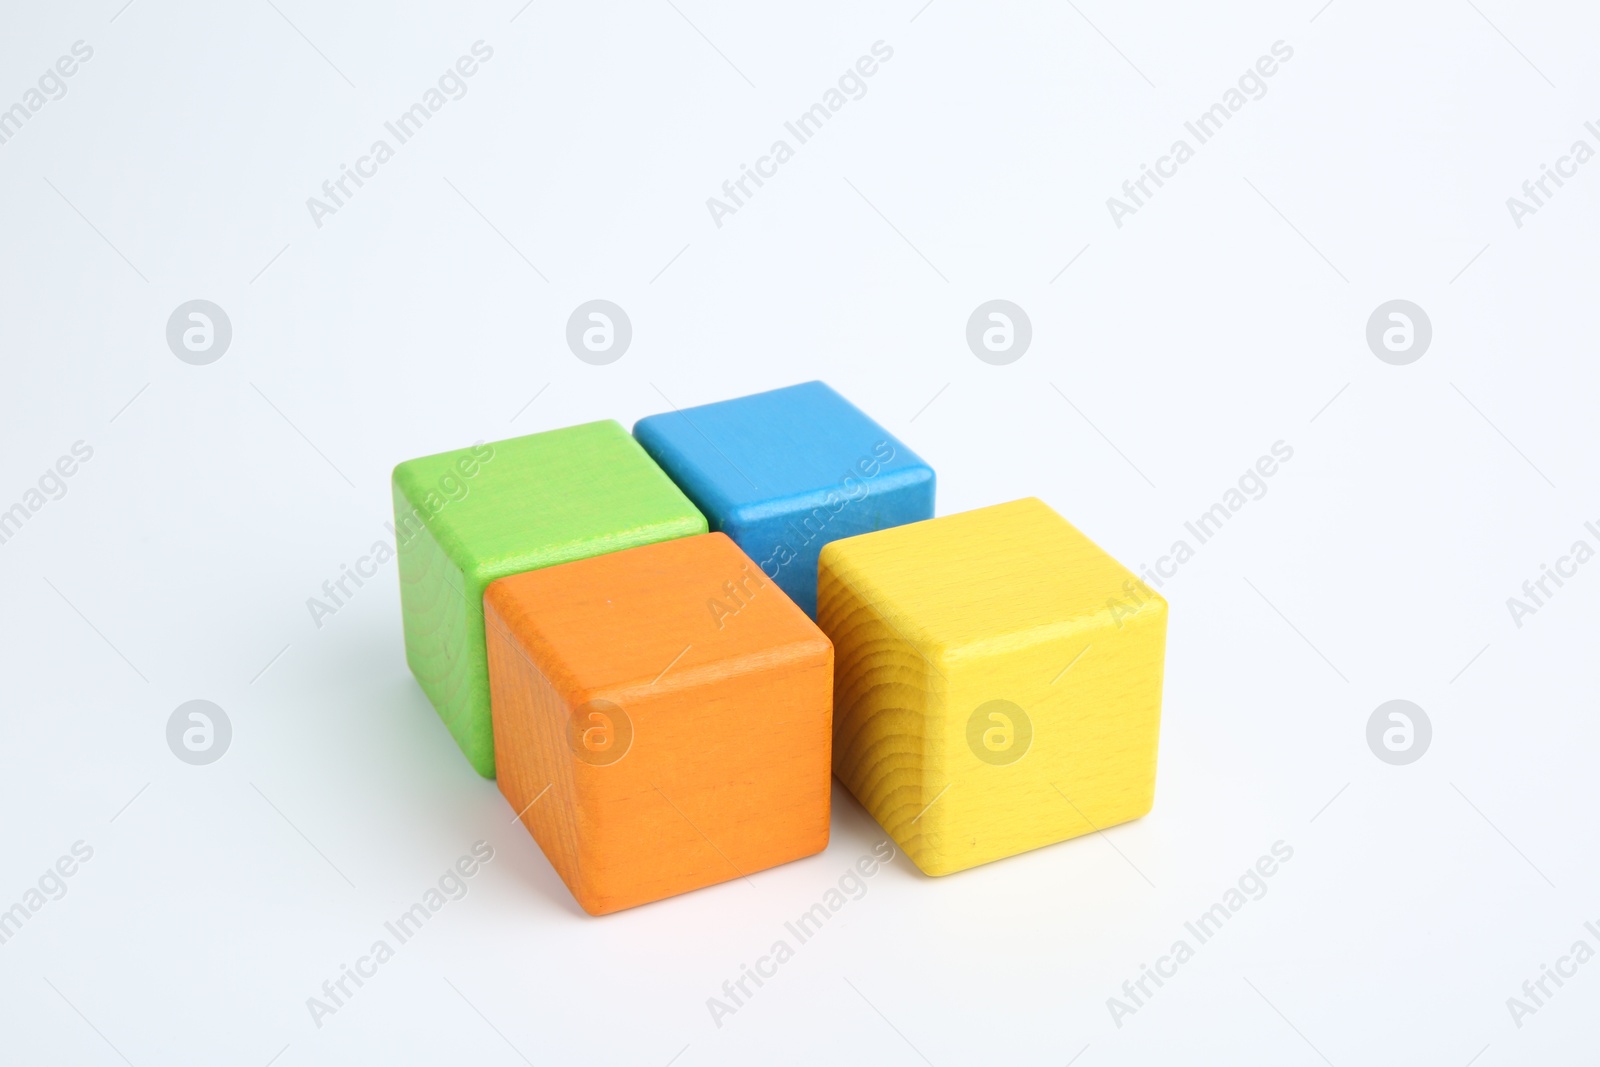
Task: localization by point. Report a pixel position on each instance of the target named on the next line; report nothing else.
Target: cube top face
(513, 505)
(997, 686)
(651, 745)
(466, 517)
(654, 617)
(786, 471)
(988, 577)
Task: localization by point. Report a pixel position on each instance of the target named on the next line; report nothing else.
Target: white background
(1227, 314)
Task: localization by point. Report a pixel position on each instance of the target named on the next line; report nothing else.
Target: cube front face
(468, 517)
(787, 471)
(721, 782)
(681, 746)
(998, 685)
(1031, 763)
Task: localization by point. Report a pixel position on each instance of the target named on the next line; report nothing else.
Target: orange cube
(663, 719)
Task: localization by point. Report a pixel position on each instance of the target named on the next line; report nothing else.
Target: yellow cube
(997, 682)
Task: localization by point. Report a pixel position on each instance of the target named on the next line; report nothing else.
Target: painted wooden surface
(662, 719)
(997, 682)
(784, 472)
(467, 517)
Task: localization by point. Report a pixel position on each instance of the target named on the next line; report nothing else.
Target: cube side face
(787, 537)
(889, 705)
(533, 757)
(444, 637)
(722, 779)
(1050, 740)
(468, 517)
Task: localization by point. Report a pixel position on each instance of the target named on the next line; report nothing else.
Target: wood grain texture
(786, 471)
(935, 622)
(465, 518)
(662, 719)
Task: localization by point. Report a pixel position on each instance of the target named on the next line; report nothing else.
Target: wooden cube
(786, 471)
(662, 719)
(465, 518)
(997, 682)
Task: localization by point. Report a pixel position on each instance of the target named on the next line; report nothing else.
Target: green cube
(468, 517)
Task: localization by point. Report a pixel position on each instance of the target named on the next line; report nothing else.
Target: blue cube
(783, 473)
